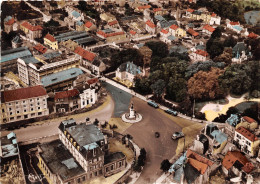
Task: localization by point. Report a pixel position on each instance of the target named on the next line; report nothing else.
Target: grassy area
(189, 128)
(121, 126)
(217, 178)
(115, 146)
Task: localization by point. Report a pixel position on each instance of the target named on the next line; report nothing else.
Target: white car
(177, 135)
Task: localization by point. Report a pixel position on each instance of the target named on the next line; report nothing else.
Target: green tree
(230, 41)
(159, 48)
(165, 165)
(158, 87)
(142, 85)
(236, 79)
(217, 33)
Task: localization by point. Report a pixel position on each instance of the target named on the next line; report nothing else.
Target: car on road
(177, 135)
(153, 104)
(172, 112)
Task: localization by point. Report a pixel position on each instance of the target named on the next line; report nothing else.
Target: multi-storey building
(32, 73)
(82, 155)
(31, 31)
(246, 141)
(23, 103)
(51, 42)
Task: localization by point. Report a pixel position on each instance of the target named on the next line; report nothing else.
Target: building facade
(23, 103)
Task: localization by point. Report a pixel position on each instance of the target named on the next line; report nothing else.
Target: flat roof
(59, 160)
(72, 35)
(9, 145)
(60, 76)
(11, 54)
(30, 59)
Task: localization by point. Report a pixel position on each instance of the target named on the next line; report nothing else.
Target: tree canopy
(159, 48)
(204, 85)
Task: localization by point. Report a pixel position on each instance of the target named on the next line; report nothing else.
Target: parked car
(153, 104)
(172, 112)
(177, 135)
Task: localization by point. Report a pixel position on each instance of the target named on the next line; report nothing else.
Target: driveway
(157, 149)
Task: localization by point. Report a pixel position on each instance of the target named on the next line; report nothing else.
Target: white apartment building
(88, 96)
(23, 103)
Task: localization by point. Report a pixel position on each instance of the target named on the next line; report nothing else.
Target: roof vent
(54, 79)
(73, 73)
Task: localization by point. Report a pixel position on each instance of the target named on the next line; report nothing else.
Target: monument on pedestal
(132, 116)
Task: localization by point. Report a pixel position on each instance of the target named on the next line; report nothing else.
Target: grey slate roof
(190, 173)
(113, 157)
(59, 160)
(130, 68)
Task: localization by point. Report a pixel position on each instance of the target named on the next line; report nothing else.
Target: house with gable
(231, 124)
(17, 42)
(50, 41)
(248, 123)
(173, 29)
(80, 26)
(240, 52)
(214, 19)
(150, 27)
(9, 24)
(235, 163)
(128, 71)
(207, 29)
(199, 55)
(234, 26)
(31, 31)
(246, 141)
(90, 26)
(66, 101)
(193, 33)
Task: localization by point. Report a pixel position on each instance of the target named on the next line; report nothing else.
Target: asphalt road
(157, 149)
(51, 127)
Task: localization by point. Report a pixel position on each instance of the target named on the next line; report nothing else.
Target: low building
(192, 32)
(61, 79)
(150, 27)
(231, 124)
(128, 71)
(88, 95)
(111, 36)
(80, 26)
(31, 31)
(8, 24)
(50, 41)
(23, 103)
(248, 123)
(80, 154)
(89, 26)
(17, 42)
(107, 17)
(40, 48)
(142, 8)
(173, 29)
(66, 101)
(240, 52)
(234, 26)
(214, 19)
(235, 163)
(9, 146)
(207, 29)
(247, 141)
(199, 55)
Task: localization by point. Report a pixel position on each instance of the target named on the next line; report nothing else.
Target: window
(38, 103)
(17, 112)
(83, 178)
(31, 100)
(107, 169)
(16, 102)
(11, 113)
(10, 109)
(3, 110)
(38, 99)
(238, 136)
(78, 180)
(43, 100)
(25, 116)
(120, 164)
(39, 113)
(31, 109)
(112, 167)
(39, 107)
(24, 101)
(9, 104)
(12, 118)
(24, 110)
(18, 117)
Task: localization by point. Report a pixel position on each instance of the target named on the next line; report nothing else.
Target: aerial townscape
(130, 92)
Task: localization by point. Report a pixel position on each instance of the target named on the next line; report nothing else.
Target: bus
(153, 104)
(172, 112)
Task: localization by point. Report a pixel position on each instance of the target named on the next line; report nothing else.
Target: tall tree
(159, 48)
(204, 85)
(158, 87)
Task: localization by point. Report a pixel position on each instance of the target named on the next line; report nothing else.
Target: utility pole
(193, 108)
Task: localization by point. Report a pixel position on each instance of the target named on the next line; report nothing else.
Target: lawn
(121, 126)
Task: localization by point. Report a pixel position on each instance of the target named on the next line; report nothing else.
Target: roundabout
(132, 116)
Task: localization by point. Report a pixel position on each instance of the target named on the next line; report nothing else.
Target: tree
(51, 23)
(159, 48)
(216, 33)
(165, 165)
(214, 47)
(225, 57)
(158, 87)
(137, 167)
(204, 85)
(142, 85)
(230, 41)
(236, 79)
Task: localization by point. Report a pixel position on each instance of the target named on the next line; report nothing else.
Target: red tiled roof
(234, 23)
(253, 35)
(209, 28)
(246, 133)
(50, 37)
(248, 119)
(132, 32)
(233, 156)
(144, 7)
(92, 81)
(112, 22)
(213, 15)
(88, 24)
(202, 53)
(31, 27)
(40, 48)
(190, 10)
(66, 94)
(23, 93)
(157, 9)
(10, 22)
(248, 167)
(192, 32)
(201, 167)
(164, 31)
(85, 54)
(198, 157)
(150, 24)
(174, 27)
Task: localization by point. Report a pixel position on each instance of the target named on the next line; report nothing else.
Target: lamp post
(193, 109)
